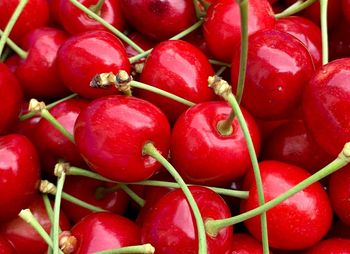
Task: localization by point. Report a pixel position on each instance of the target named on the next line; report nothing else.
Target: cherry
(331, 246)
(83, 56)
(170, 228)
(346, 8)
(23, 237)
(278, 68)
(11, 99)
(181, 69)
(222, 30)
(196, 132)
(159, 19)
(325, 105)
(141, 41)
(297, 223)
(19, 172)
(5, 246)
(111, 132)
(75, 21)
(339, 42)
(245, 244)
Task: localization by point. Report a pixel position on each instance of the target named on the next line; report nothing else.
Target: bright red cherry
(111, 132)
(279, 66)
(179, 68)
(331, 246)
(83, 56)
(222, 27)
(297, 223)
(170, 226)
(5, 246)
(245, 244)
(223, 158)
(326, 105)
(159, 19)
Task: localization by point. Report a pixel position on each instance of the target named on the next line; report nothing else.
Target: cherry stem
(216, 62)
(205, 4)
(324, 30)
(20, 52)
(140, 201)
(342, 160)
(295, 8)
(97, 7)
(143, 249)
(49, 106)
(199, 14)
(221, 70)
(11, 23)
(50, 215)
(107, 25)
(176, 37)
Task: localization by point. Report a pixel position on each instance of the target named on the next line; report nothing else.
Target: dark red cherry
(23, 237)
(346, 9)
(331, 246)
(179, 68)
(38, 72)
(54, 7)
(104, 231)
(75, 21)
(307, 32)
(83, 56)
(222, 25)
(5, 246)
(11, 94)
(245, 244)
(279, 66)
(111, 132)
(159, 19)
(326, 105)
(170, 226)
(339, 41)
(223, 158)
(34, 15)
(93, 192)
(141, 41)
(297, 223)
(19, 174)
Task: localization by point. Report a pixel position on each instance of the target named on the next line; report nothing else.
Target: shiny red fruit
(331, 246)
(339, 41)
(5, 246)
(245, 244)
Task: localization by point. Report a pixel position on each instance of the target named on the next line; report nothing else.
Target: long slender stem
(56, 214)
(97, 7)
(20, 52)
(295, 8)
(197, 10)
(81, 203)
(143, 249)
(49, 212)
(216, 62)
(149, 149)
(324, 30)
(140, 201)
(11, 23)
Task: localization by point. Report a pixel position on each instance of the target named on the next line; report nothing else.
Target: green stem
(49, 212)
(221, 70)
(97, 7)
(20, 52)
(216, 62)
(143, 249)
(197, 10)
(205, 4)
(107, 25)
(151, 150)
(81, 203)
(140, 201)
(56, 213)
(87, 173)
(224, 127)
(324, 30)
(11, 23)
(5, 54)
(295, 8)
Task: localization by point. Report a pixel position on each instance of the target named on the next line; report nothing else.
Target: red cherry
(83, 56)
(159, 19)
(339, 41)
(75, 21)
(19, 173)
(346, 9)
(297, 223)
(170, 226)
(11, 95)
(179, 68)
(141, 41)
(325, 104)
(196, 133)
(222, 25)
(331, 246)
(5, 246)
(103, 231)
(279, 66)
(245, 244)
(111, 132)
(23, 237)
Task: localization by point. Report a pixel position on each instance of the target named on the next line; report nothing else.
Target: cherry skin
(103, 231)
(170, 226)
(111, 132)
(278, 68)
(75, 21)
(89, 190)
(346, 9)
(83, 56)
(12, 97)
(331, 246)
(245, 244)
(339, 42)
(23, 237)
(225, 157)
(326, 105)
(19, 171)
(222, 26)
(159, 19)
(297, 223)
(179, 68)
(5, 246)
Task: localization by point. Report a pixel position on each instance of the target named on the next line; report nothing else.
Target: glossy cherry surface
(170, 226)
(222, 27)
(326, 105)
(111, 132)
(245, 244)
(297, 223)
(279, 66)
(331, 246)
(339, 41)
(223, 158)
(5, 246)
(83, 56)
(179, 68)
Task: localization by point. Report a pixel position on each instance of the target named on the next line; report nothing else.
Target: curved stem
(216, 62)
(151, 150)
(87, 173)
(295, 8)
(324, 30)
(49, 212)
(20, 52)
(140, 201)
(97, 7)
(11, 23)
(56, 213)
(143, 249)
(81, 203)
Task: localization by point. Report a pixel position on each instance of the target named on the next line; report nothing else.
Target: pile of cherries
(175, 126)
